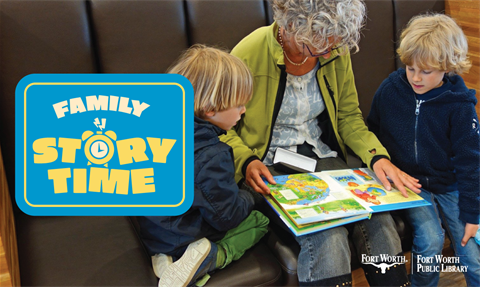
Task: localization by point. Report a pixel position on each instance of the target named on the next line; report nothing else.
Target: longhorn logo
(382, 266)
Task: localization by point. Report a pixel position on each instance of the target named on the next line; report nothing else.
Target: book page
(363, 184)
(307, 198)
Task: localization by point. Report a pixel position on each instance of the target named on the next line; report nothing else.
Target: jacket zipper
(417, 112)
(276, 106)
(333, 144)
(330, 92)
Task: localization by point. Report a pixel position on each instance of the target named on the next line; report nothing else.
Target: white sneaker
(160, 263)
(181, 272)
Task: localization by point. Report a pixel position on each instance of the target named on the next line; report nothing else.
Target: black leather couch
(114, 36)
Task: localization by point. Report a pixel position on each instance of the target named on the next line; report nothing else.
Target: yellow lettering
(45, 149)
(160, 150)
(79, 180)
(59, 177)
(142, 180)
(130, 150)
(69, 147)
(101, 182)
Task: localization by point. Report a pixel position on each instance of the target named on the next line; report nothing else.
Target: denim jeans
(429, 239)
(324, 258)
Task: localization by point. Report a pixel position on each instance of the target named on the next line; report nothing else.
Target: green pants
(243, 237)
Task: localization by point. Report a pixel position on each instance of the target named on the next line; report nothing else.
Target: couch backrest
(114, 36)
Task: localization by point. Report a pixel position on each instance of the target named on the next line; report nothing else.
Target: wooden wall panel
(7, 231)
(467, 15)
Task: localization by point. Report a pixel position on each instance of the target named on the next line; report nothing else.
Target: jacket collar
(458, 92)
(205, 133)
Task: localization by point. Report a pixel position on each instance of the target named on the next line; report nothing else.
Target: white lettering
(139, 108)
(100, 102)
(60, 109)
(76, 105)
(94, 104)
(124, 108)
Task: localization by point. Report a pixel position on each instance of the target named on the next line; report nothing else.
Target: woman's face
(312, 52)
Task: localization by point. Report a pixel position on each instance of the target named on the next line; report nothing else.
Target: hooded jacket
(342, 123)
(435, 140)
(218, 204)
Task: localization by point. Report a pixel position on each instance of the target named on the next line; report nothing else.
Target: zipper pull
(417, 109)
(330, 91)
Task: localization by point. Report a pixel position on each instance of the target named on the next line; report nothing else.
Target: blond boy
(425, 116)
(220, 226)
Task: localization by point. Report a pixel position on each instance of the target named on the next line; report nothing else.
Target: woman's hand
(470, 231)
(384, 168)
(253, 177)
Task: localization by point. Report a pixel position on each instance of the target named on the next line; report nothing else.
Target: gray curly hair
(313, 22)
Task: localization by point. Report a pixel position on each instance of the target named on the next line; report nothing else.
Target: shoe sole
(160, 263)
(181, 272)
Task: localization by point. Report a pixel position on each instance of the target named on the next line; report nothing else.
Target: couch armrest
(286, 254)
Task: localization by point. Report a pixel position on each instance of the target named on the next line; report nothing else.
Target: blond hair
(220, 81)
(313, 22)
(434, 41)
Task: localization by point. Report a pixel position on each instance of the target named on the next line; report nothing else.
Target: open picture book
(299, 230)
(331, 198)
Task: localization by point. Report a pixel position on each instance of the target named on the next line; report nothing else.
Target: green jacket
(342, 123)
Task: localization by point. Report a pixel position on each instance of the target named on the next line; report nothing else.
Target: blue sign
(104, 144)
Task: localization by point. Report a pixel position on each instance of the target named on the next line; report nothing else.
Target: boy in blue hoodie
(220, 225)
(425, 116)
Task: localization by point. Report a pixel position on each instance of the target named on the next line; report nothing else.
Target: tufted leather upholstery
(113, 36)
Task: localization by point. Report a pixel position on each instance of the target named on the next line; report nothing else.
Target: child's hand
(470, 231)
(384, 168)
(253, 177)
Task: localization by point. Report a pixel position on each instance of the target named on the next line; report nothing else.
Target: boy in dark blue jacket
(220, 226)
(425, 117)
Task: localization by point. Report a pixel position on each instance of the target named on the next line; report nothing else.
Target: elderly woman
(305, 101)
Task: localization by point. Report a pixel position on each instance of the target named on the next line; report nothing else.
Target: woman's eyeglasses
(322, 53)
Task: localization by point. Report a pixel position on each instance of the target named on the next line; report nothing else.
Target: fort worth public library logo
(104, 144)
(437, 263)
(383, 261)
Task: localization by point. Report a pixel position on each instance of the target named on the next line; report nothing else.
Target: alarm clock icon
(99, 148)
